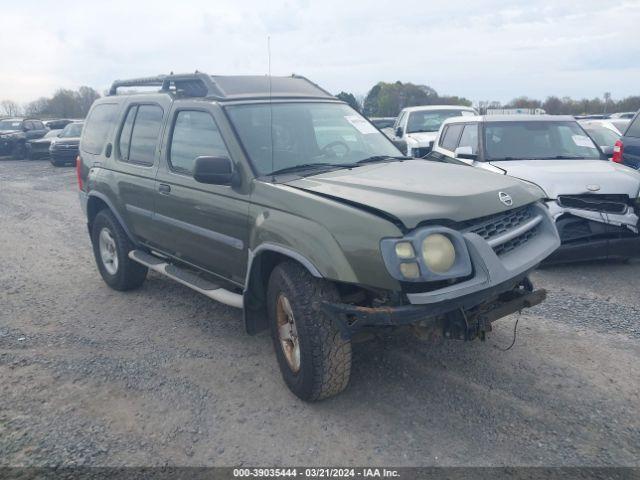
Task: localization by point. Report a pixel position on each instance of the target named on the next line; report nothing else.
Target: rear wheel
(111, 248)
(314, 359)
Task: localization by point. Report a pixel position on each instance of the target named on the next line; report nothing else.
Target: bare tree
(607, 99)
(9, 108)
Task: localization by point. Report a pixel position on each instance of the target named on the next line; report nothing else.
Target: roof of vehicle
(437, 107)
(227, 88)
(511, 118)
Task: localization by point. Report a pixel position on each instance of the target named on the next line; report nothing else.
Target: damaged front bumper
(594, 235)
(463, 318)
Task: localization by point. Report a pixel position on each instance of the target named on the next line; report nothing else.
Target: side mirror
(213, 170)
(399, 132)
(607, 150)
(465, 152)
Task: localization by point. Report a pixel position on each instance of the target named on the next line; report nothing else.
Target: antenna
(270, 102)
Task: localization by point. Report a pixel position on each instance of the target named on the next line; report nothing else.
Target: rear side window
(145, 134)
(450, 137)
(634, 128)
(195, 134)
(98, 126)
(469, 137)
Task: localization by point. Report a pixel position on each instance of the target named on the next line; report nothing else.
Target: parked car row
(34, 139)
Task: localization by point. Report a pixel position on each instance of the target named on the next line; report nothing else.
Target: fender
(110, 206)
(254, 311)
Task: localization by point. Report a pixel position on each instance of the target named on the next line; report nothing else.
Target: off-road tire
(325, 357)
(129, 274)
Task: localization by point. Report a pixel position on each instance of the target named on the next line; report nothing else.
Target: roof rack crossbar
(188, 84)
(156, 81)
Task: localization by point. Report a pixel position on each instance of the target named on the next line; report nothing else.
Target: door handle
(164, 189)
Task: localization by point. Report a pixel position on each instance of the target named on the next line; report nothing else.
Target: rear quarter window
(98, 126)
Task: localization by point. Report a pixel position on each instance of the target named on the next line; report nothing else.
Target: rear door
(631, 142)
(203, 225)
(132, 170)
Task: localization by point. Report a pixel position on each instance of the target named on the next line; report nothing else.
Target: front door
(204, 225)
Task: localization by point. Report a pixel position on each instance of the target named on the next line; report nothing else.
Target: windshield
(331, 134)
(383, 122)
(9, 124)
(430, 120)
(72, 130)
(603, 136)
(52, 133)
(537, 140)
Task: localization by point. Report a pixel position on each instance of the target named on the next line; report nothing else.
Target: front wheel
(314, 359)
(111, 248)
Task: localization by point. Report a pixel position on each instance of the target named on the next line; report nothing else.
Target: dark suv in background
(15, 132)
(627, 149)
(64, 149)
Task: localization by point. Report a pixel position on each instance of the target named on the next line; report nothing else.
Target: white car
(417, 127)
(594, 202)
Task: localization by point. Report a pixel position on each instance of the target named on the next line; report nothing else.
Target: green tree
(350, 99)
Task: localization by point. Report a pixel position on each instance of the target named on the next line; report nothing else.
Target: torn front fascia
(628, 219)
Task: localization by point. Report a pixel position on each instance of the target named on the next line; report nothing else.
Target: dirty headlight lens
(405, 250)
(410, 270)
(428, 254)
(438, 253)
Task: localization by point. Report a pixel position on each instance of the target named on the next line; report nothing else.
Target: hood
(41, 140)
(421, 139)
(414, 191)
(8, 132)
(573, 177)
(73, 141)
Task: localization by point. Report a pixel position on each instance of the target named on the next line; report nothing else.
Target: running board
(187, 278)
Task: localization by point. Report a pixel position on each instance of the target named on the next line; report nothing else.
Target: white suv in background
(417, 127)
(595, 203)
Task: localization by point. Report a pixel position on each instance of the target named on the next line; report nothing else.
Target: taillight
(79, 171)
(618, 149)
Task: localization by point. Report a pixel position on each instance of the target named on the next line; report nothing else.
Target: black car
(58, 123)
(39, 147)
(64, 149)
(627, 149)
(15, 132)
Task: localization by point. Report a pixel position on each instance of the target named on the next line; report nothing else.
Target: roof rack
(188, 84)
(229, 87)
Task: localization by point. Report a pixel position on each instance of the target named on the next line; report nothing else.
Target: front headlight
(442, 255)
(438, 253)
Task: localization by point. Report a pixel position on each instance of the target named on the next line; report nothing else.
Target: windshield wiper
(563, 157)
(312, 166)
(381, 158)
(422, 131)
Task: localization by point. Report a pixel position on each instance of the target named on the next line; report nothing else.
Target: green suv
(270, 195)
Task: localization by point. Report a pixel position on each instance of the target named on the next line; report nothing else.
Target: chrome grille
(502, 231)
(514, 243)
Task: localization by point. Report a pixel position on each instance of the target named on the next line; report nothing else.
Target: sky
(482, 50)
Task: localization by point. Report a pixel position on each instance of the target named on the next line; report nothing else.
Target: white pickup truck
(417, 127)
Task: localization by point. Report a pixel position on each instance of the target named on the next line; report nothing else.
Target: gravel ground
(164, 376)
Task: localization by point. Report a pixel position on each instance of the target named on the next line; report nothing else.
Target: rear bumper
(63, 155)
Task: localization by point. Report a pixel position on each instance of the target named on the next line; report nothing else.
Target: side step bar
(187, 278)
